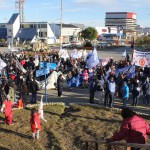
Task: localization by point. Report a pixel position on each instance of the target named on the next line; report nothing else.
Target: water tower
(19, 5)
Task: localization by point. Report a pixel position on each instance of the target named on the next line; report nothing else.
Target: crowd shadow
(15, 133)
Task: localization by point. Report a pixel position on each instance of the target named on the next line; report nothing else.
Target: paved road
(116, 53)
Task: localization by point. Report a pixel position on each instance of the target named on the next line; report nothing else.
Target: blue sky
(88, 12)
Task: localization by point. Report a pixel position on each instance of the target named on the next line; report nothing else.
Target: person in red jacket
(7, 109)
(35, 124)
(134, 129)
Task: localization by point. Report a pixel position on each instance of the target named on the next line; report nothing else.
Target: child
(19, 103)
(7, 109)
(35, 124)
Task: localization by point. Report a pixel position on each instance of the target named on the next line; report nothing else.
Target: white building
(32, 31)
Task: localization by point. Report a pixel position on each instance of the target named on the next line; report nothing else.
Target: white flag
(2, 64)
(124, 54)
(20, 67)
(63, 54)
(40, 110)
(92, 59)
(74, 54)
(84, 54)
(9, 47)
(36, 61)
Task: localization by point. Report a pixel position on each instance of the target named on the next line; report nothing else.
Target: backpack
(99, 87)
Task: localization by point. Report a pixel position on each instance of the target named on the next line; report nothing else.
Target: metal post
(86, 145)
(45, 81)
(61, 26)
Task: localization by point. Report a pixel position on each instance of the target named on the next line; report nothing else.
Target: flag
(104, 61)
(128, 70)
(141, 59)
(84, 54)
(74, 54)
(131, 72)
(92, 59)
(121, 70)
(2, 64)
(124, 54)
(20, 67)
(9, 47)
(36, 61)
(63, 54)
(40, 110)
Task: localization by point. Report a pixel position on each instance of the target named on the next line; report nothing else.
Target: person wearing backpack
(100, 90)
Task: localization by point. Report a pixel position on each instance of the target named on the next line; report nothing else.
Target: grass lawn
(66, 129)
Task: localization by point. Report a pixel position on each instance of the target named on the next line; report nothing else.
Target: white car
(103, 44)
(66, 44)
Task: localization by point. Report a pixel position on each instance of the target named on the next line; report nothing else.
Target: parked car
(66, 45)
(3, 45)
(103, 44)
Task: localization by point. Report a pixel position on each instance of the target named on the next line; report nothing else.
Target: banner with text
(141, 59)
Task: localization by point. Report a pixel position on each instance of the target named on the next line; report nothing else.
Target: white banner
(141, 59)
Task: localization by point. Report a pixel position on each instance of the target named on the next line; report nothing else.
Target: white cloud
(100, 2)
(75, 9)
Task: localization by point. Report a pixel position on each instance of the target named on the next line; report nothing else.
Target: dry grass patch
(66, 128)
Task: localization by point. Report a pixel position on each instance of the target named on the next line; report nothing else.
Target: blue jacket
(125, 91)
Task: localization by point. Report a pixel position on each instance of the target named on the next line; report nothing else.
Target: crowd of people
(19, 76)
(103, 81)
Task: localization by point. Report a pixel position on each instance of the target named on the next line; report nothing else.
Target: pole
(45, 81)
(61, 26)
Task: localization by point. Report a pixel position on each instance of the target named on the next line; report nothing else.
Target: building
(125, 21)
(33, 31)
(109, 34)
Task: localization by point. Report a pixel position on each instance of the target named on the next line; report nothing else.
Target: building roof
(82, 26)
(68, 26)
(120, 12)
(13, 18)
(3, 33)
(26, 33)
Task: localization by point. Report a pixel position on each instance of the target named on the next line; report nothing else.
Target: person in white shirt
(112, 90)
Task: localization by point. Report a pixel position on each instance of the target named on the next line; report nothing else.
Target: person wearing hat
(125, 94)
(7, 109)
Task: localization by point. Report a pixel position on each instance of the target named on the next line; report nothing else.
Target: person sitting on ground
(134, 129)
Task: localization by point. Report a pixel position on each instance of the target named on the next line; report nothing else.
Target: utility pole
(61, 25)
